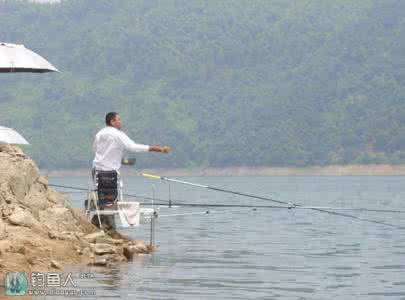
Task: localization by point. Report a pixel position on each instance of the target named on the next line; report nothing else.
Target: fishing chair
(106, 183)
(108, 187)
(106, 200)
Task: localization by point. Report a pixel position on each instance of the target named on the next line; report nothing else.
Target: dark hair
(109, 117)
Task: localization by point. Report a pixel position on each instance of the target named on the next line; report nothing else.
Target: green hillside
(226, 83)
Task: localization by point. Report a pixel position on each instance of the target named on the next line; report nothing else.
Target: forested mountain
(226, 83)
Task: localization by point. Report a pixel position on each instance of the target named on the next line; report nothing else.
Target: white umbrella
(10, 136)
(17, 58)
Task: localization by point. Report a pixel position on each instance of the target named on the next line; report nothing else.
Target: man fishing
(109, 146)
(111, 143)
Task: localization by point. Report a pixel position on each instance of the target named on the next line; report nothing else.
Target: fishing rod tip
(150, 176)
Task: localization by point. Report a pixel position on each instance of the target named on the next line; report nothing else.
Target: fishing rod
(289, 205)
(164, 202)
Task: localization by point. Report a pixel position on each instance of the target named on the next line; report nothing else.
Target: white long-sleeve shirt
(109, 146)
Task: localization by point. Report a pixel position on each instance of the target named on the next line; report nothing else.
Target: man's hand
(166, 149)
(157, 148)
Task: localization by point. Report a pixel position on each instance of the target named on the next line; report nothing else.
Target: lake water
(267, 253)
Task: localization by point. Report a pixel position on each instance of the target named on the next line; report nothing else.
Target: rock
(21, 250)
(21, 217)
(101, 249)
(43, 180)
(18, 187)
(65, 235)
(86, 251)
(55, 198)
(6, 211)
(79, 235)
(107, 260)
(141, 247)
(85, 226)
(84, 244)
(12, 150)
(20, 182)
(5, 246)
(52, 235)
(17, 248)
(107, 240)
(119, 258)
(55, 264)
(52, 197)
(100, 261)
(116, 242)
(91, 238)
(78, 250)
(34, 198)
(31, 260)
(3, 232)
(58, 218)
(128, 252)
(5, 193)
(68, 235)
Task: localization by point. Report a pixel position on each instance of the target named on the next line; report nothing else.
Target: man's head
(113, 119)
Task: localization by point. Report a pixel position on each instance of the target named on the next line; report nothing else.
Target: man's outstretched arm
(130, 145)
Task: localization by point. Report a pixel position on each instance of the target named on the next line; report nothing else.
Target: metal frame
(147, 215)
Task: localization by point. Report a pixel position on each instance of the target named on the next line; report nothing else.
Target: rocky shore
(40, 231)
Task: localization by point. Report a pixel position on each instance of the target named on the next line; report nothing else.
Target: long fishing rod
(164, 202)
(288, 204)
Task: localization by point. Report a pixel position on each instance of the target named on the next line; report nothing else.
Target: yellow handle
(150, 176)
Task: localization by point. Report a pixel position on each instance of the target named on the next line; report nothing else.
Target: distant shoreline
(332, 170)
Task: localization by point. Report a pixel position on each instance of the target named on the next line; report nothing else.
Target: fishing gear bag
(107, 187)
